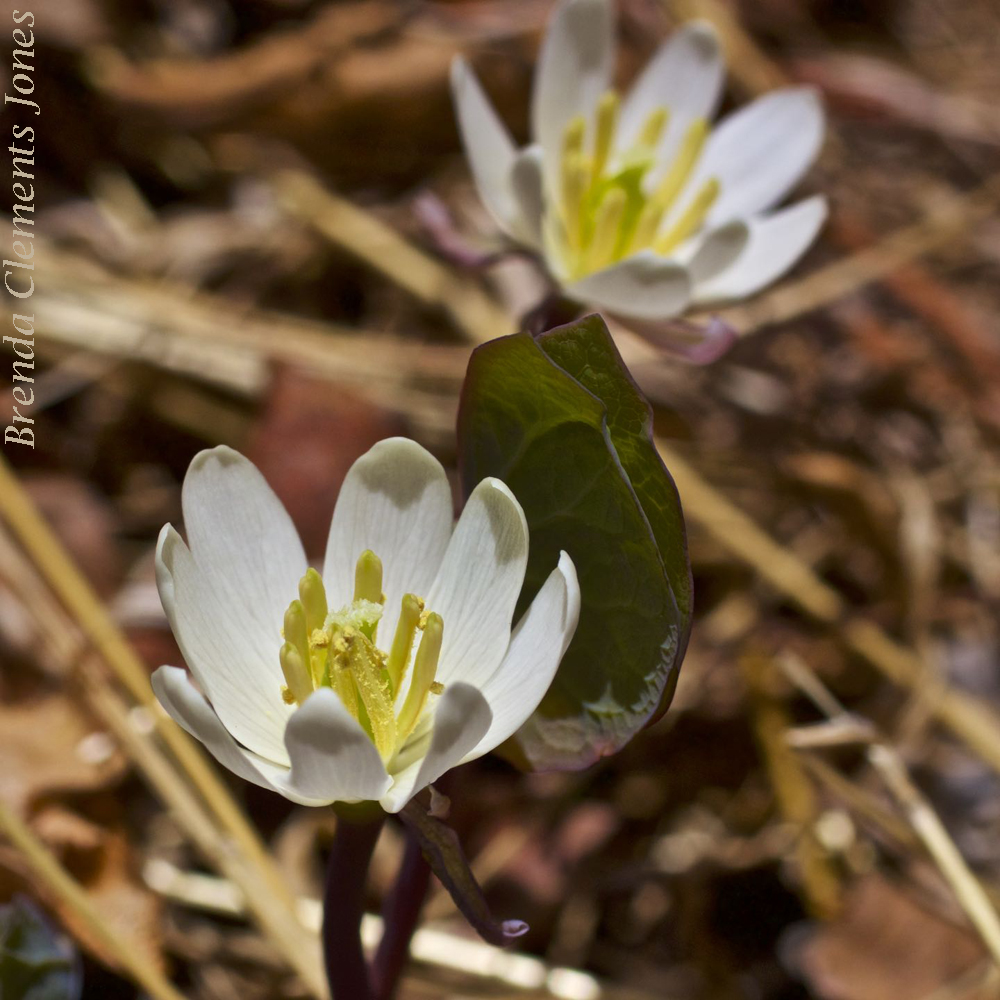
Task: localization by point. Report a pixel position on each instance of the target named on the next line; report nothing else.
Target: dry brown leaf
(48, 747)
(884, 946)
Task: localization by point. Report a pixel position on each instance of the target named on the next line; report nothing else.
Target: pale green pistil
(338, 649)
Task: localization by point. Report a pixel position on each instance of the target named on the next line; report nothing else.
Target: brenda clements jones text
(18, 273)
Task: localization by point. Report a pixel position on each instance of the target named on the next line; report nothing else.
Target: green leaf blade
(547, 435)
(586, 351)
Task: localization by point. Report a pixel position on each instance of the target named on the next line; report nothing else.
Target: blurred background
(242, 212)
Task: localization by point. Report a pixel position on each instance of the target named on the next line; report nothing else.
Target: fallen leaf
(885, 946)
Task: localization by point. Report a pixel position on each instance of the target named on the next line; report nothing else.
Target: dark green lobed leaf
(561, 422)
(586, 351)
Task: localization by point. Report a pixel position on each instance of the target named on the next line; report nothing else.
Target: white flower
(636, 205)
(324, 688)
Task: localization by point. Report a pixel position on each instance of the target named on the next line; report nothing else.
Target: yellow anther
(604, 136)
(337, 650)
(297, 676)
(574, 186)
(601, 250)
(402, 642)
(368, 578)
(652, 127)
(424, 669)
(684, 162)
(691, 218)
(573, 136)
(295, 631)
(649, 222)
(312, 593)
(574, 177)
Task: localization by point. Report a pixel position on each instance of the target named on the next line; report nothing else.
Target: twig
(190, 815)
(875, 263)
(974, 722)
(756, 73)
(932, 833)
(383, 249)
(197, 335)
(59, 882)
(431, 945)
(793, 791)
(969, 893)
(859, 800)
(72, 589)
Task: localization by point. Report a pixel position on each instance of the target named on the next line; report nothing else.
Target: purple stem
(401, 912)
(553, 310)
(344, 905)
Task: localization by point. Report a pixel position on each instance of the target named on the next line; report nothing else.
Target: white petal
(239, 672)
(488, 145)
(685, 76)
(761, 151)
(395, 501)
(644, 285)
(479, 583)
(461, 720)
(333, 760)
(526, 186)
(536, 647)
(574, 68)
(189, 709)
(712, 252)
(243, 541)
(776, 243)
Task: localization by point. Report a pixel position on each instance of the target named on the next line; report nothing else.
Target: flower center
(337, 649)
(607, 209)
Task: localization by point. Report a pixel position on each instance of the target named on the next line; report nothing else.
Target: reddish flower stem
(344, 904)
(401, 912)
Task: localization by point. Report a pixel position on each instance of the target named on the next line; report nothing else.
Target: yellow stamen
(649, 222)
(601, 250)
(352, 652)
(575, 177)
(573, 136)
(337, 650)
(691, 219)
(368, 578)
(402, 641)
(295, 630)
(424, 669)
(604, 137)
(652, 127)
(312, 593)
(300, 684)
(684, 162)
